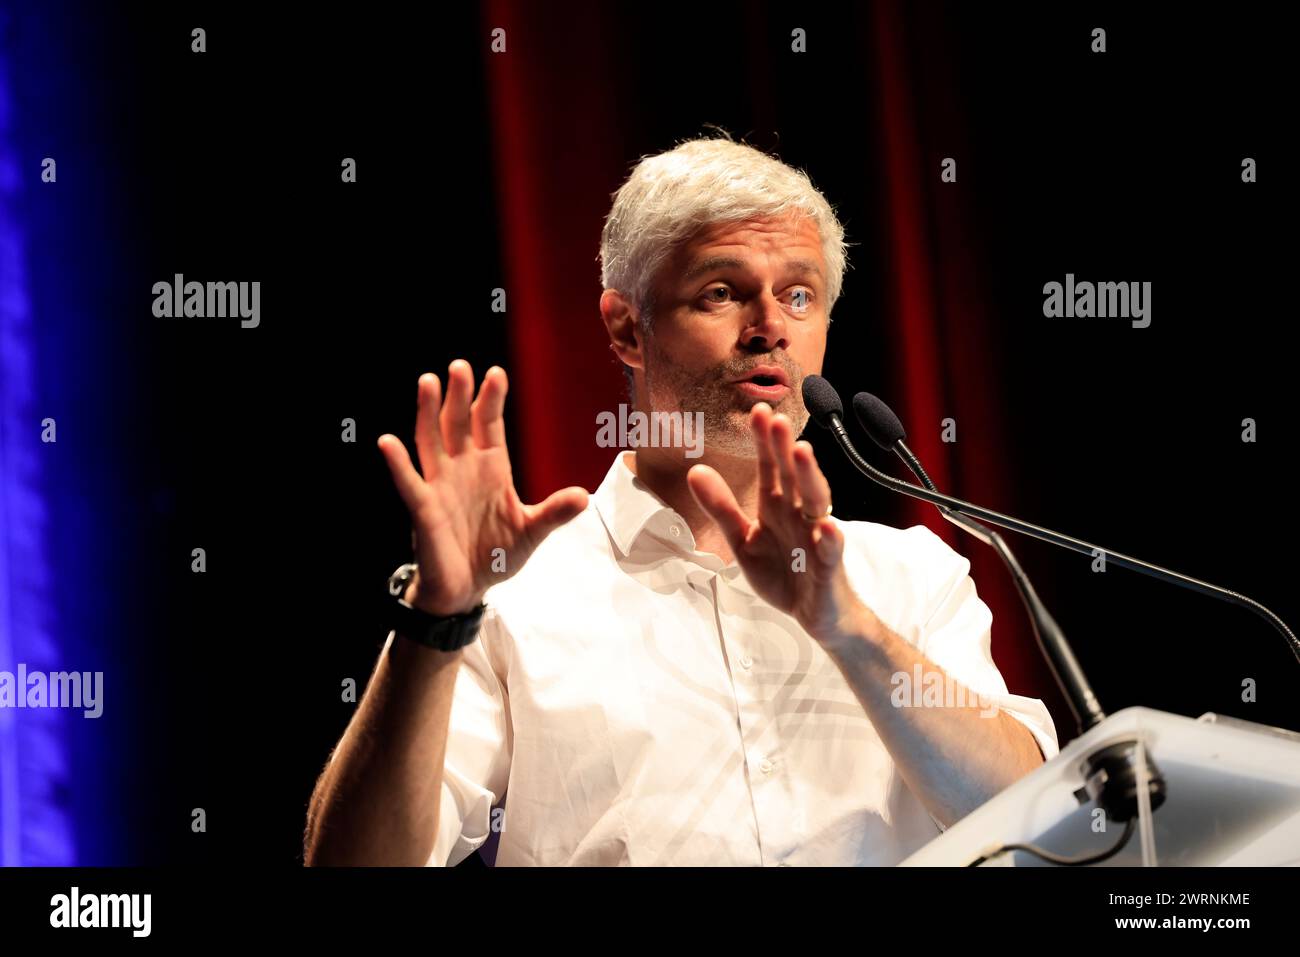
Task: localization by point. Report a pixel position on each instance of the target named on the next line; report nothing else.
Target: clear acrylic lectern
(1231, 797)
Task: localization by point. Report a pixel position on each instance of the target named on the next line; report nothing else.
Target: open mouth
(768, 383)
(766, 376)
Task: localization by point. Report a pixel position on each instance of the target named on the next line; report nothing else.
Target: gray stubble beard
(726, 423)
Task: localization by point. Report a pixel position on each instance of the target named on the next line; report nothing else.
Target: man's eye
(801, 299)
(709, 294)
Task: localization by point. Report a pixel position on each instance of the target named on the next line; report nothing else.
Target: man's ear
(622, 322)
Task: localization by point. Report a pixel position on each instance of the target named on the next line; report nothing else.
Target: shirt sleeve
(957, 637)
(477, 765)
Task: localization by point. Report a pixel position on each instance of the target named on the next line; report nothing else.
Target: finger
(455, 409)
(829, 541)
(783, 450)
(553, 511)
(409, 484)
(814, 490)
(486, 421)
(716, 498)
(428, 438)
(760, 419)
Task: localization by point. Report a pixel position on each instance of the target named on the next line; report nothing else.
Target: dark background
(476, 172)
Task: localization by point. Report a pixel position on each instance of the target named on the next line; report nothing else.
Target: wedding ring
(815, 518)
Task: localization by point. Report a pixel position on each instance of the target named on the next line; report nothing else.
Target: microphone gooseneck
(884, 428)
(830, 419)
(1111, 776)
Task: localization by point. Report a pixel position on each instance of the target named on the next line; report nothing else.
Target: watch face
(398, 581)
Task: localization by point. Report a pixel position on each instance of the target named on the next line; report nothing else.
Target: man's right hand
(465, 506)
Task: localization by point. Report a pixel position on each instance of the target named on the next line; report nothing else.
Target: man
(697, 664)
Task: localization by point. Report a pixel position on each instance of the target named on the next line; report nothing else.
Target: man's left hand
(792, 552)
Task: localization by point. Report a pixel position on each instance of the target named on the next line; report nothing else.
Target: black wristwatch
(446, 633)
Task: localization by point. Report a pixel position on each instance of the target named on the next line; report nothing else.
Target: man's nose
(766, 329)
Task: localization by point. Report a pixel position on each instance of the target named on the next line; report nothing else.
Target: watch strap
(443, 632)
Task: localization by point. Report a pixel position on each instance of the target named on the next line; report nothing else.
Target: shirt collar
(626, 504)
(630, 509)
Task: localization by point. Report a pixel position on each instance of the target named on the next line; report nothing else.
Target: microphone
(1110, 774)
(878, 421)
(824, 405)
(882, 426)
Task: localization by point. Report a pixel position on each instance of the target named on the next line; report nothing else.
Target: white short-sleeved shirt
(631, 701)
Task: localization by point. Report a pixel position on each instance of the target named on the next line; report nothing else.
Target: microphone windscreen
(878, 420)
(821, 400)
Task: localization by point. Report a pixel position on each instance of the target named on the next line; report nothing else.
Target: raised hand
(791, 552)
(465, 506)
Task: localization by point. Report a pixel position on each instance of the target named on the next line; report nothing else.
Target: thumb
(557, 509)
(719, 503)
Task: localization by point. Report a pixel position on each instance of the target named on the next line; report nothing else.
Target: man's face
(738, 300)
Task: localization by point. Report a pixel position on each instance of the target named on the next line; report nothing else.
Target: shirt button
(746, 662)
(766, 766)
(675, 531)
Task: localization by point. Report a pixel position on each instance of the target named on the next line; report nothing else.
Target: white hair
(669, 197)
